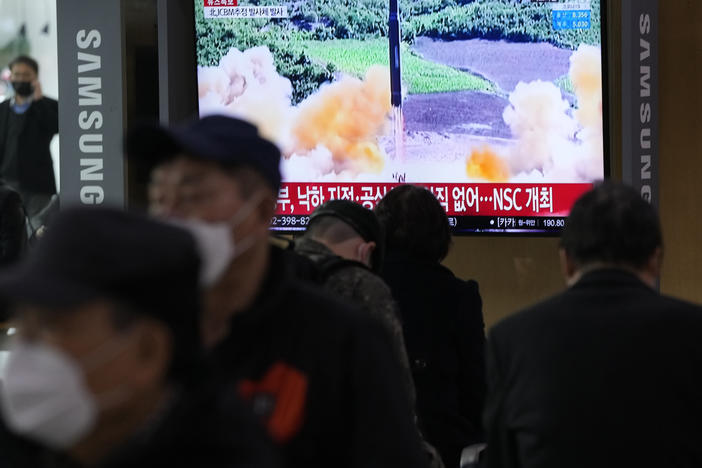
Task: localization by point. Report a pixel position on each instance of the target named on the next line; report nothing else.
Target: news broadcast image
(496, 106)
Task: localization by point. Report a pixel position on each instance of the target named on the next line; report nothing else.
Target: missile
(396, 80)
(395, 71)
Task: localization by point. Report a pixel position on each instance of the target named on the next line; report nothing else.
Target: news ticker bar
(505, 200)
(459, 224)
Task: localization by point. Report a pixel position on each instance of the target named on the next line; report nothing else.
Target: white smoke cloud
(246, 85)
(539, 121)
(554, 143)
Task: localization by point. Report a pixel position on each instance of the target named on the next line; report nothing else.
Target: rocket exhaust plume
(335, 130)
(484, 163)
(346, 118)
(394, 38)
(553, 142)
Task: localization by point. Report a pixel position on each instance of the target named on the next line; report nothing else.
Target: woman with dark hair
(442, 320)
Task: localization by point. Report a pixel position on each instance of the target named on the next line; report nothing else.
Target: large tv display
(496, 106)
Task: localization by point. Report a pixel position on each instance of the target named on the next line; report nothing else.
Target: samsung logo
(645, 107)
(90, 117)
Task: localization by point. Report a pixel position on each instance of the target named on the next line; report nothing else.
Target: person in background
(344, 245)
(606, 373)
(13, 227)
(28, 122)
(106, 369)
(442, 319)
(321, 376)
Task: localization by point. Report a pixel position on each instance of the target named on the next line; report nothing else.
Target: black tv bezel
(192, 111)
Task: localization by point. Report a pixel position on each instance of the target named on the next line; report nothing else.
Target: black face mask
(23, 88)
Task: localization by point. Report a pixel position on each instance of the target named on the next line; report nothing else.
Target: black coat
(204, 426)
(35, 166)
(207, 428)
(606, 374)
(323, 377)
(444, 333)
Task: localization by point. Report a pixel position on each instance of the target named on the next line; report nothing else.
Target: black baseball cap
(360, 218)
(94, 254)
(225, 140)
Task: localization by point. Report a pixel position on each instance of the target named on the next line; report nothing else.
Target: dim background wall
(681, 146)
(515, 272)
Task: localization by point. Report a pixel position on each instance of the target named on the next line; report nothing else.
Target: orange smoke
(346, 117)
(484, 163)
(586, 75)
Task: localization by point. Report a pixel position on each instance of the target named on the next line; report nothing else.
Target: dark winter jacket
(605, 374)
(204, 426)
(35, 167)
(355, 284)
(322, 377)
(444, 334)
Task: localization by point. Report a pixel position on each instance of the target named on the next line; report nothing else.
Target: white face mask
(215, 241)
(44, 396)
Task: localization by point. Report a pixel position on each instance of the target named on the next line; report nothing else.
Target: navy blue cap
(218, 138)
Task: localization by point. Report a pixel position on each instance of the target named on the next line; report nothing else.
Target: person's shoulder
(329, 310)
(355, 273)
(446, 276)
(205, 423)
(312, 298)
(47, 100)
(519, 324)
(464, 291)
(672, 306)
(314, 303)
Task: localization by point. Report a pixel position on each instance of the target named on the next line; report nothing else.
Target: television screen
(496, 106)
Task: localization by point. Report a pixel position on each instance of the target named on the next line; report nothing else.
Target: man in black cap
(344, 243)
(322, 377)
(107, 366)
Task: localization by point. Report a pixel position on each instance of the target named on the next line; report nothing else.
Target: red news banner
(219, 3)
(457, 199)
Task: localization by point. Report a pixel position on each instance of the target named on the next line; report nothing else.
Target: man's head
(612, 226)
(349, 230)
(211, 170)
(24, 72)
(217, 170)
(107, 317)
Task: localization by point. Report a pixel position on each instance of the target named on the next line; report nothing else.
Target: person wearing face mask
(319, 374)
(28, 122)
(106, 368)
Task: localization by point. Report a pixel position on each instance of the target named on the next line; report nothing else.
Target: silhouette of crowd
(183, 337)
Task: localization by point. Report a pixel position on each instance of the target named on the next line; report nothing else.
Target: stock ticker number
(554, 223)
(290, 221)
